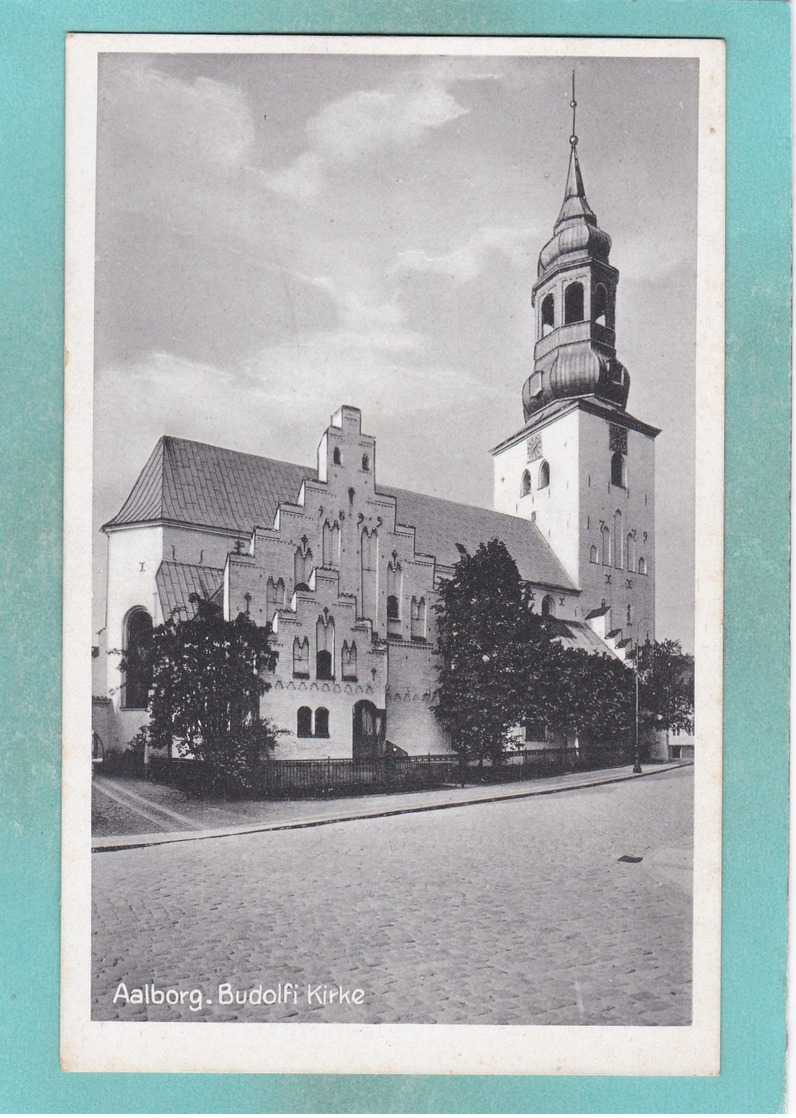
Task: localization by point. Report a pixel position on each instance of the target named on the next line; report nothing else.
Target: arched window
(548, 606)
(629, 614)
(618, 470)
(548, 314)
(526, 484)
(573, 303)
(418, 619)
(631, 551)
(336, 456)
(302, 566)
(324, 644)
(605, 540)
(394, 579)
(301, 658)
(544, 476)
(594, 555)
(365, 463)
(348, 659)
(392, 608)
(303, 722)
(642, 566)
(137, 659)
(600, 305)
(331, 545)
(321, 722)
(619, 539)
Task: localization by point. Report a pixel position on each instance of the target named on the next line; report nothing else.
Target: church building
(347, 570)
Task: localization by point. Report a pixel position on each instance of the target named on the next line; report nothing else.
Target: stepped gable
(203, 486)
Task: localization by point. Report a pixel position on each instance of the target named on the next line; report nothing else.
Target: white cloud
(355, 126)
(466, 262)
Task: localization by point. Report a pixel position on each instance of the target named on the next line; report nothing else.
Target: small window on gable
(629, 614)
(365, 462)
(594, 555)
(548, 314)
(544, 475)
(573, 303)
(642, 565)
(336, 457)
(525, 488)
(323, 665)
(392, 607)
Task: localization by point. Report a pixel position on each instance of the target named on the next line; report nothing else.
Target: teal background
(757, 33)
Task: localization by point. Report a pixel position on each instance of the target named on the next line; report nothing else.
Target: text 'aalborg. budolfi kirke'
(347, 570)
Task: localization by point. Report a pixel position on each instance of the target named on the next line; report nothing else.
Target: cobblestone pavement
(517, 912)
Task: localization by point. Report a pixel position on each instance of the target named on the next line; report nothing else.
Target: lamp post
(636, 744)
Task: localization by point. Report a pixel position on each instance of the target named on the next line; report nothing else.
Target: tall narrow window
(631, 551)
(369, 557)
(303, 722)
(600, 305)
(321, 723)
(302, 567)
(594, 556)
(618, 470)
(331, 545)
(393, 598)
(365, 462)
(573, 303)
(324, 645)
(336, 458)
(605, 541)
(548, 314)
(629, 614)
(619, 539)
(274, 596)
(301, 658)
(548, 606)
(642, 566)
(525, 487)
(137, 659)
(418, 619)
(544, 476)
(348, 660)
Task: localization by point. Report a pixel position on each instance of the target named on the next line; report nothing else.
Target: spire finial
(573, 139)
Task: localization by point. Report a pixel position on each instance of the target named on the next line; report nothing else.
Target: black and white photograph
(394, 531)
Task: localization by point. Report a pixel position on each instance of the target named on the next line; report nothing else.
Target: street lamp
(636, 650)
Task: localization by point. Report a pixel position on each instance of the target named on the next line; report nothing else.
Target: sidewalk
(147, 801)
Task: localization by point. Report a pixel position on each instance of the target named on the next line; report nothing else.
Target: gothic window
(600, 305)
(605, 540)
(303, 722)
(274, 596)
(365, 463)
(331, 545)
(526, 484)
(392, 608)
(321, 723)
(544, 476)
(573, 303)
(336, 457)
(631, 551)
(348, 658)
(301, 658)
(593, 554)
(642, 566)
(548, 314)
(548, 606)
(324, 645)
(302, 567)
(137, 659)
(418, 619)
(394, 598)
(618, 470)
(619, 539)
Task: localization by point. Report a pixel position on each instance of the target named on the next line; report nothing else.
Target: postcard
(394, 496)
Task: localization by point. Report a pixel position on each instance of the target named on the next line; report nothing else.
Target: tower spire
(575, 204)
(573, 139)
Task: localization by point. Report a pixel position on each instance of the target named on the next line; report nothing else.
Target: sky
(280, 234)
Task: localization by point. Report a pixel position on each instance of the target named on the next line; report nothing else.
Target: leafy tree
(207, 679)
(666, 685)
(489, 642)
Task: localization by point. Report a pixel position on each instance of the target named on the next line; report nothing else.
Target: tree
(488, 643)
(207, 680)
(666, 685)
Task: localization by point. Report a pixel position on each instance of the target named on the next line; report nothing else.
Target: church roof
(177, 581)
(204, 486)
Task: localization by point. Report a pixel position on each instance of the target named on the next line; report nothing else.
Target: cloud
(466, 262)
(355, 126)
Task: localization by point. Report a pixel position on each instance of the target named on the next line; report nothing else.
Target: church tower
(582, 467)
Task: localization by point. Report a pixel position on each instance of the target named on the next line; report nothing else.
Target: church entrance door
(368, 737)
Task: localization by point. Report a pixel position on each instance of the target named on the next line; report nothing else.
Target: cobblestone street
(505, 913)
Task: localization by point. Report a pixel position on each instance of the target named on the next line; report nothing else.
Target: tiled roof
(177, 581)
(576, 634)
(207, 486)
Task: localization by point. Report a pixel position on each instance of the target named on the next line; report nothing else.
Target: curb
(132, 842)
